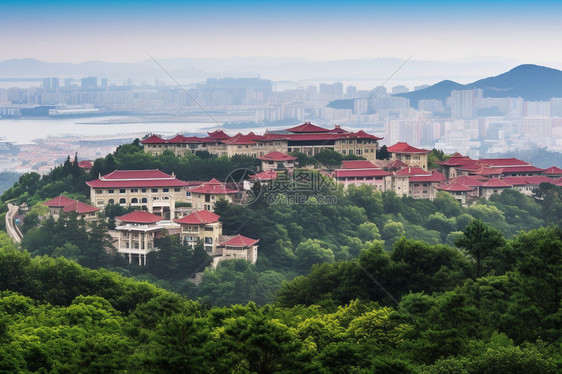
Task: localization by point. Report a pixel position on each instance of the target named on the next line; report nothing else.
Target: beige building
(137, 231)
(411, 156)
(277, 161)
(65, 204)
(205, 196)
(237, 247)
(201, 226)
(152, 190)
(306, 138)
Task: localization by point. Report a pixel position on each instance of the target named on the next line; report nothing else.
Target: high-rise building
(90, 83)
(399, 89)
(465, 103)
(50, 84)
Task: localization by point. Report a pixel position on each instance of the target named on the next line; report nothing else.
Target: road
(12, 230)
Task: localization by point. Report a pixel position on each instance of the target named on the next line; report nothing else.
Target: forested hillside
(353, 281)
(58, 316)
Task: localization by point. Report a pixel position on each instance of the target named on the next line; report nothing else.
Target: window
(208, 240)
(109, 191)
(122, 190)
(144, 200)
(98, 191)
(134, 190)
(154, 190)
(165, 190)
(122, 201)
(134, 200)
(177, 189)
(208, 229)
(143, 190)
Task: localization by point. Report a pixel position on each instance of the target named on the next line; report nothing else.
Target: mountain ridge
(528, 81)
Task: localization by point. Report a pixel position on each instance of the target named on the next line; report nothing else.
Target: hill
(530, 82)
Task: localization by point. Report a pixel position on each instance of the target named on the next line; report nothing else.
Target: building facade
(306, 138)
(151, 190)
(136, 233)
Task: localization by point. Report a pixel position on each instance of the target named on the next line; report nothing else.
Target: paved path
(12, 230)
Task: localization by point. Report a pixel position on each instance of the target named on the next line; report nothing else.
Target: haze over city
(491, 33)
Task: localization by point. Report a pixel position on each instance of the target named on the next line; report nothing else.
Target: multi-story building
(152, 190)
(237, 247)
(65, 204)
(306, 138)
(136, 233)
(362, 172)
(277, 161)
(201, 226)
(205, 196)
(411, 156)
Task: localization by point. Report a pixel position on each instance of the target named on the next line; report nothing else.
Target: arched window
(110, 202)
(122, 201)
(144, 200)
(134, 200)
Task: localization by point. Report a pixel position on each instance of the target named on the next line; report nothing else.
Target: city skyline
(124, 31)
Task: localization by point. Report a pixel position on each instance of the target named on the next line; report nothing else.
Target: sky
(127, 31)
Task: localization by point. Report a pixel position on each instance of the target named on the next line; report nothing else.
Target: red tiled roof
(456, 160)
(308, 127)
(213, 187)
(240, 241)
(501, 162)
(396, 165)
(201, 217)
(358, 173)
(412, 171)
(59, 202)
(139, 216)
(485, 171)
(468, 180)
(218, 134)
(86, 164)
(558, 181)
(242, 139)
(136, 178)
(403, 147)
(80, 208)
(522, 181)
(553, 170)
(522, 169)
(358, 164)
(455, 187)
(264, 175)
(277, 156)
(496, 183)
(434, 177)
(338, 129)
(153, 139)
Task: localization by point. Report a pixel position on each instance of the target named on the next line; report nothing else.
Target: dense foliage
(58, 316)
(353, 281)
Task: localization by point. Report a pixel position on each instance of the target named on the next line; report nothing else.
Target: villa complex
(306, 138)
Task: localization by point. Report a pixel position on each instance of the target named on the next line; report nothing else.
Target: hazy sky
(124, 31)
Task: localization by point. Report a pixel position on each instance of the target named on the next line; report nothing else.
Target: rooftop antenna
(185, 90)
(377, 89)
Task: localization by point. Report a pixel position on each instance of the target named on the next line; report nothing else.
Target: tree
(311, 252)
(481, 242)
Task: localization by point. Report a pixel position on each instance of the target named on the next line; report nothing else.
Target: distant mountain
(530, 82)
(368, 73)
